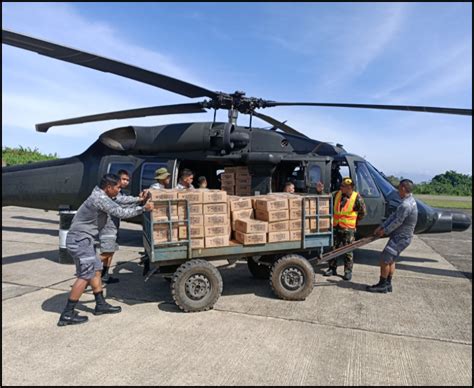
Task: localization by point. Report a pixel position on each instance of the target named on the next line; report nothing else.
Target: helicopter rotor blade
(412, 108)
(98, 62)
(126, 114)
(285, 128)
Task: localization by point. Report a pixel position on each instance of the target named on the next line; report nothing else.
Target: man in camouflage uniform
(349, 209)
(400, 227)
(89, 220)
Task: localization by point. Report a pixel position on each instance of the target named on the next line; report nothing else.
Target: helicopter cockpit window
(382, 182)
(364, 181)
(314, 175)
(147, 177)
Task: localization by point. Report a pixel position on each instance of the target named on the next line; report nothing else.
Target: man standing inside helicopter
(186, 180)
(400, 227)
(162, 177)
(89, 220)
(349, 209)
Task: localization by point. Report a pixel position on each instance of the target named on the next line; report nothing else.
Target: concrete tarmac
(421, 334)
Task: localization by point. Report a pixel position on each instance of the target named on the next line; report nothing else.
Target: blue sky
(380, 53)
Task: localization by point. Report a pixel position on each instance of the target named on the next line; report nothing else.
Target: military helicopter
(273, 157)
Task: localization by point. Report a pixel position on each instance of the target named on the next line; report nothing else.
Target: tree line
(21, 155)
(449, 183)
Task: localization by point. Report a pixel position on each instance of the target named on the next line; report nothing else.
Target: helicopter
(273, 156)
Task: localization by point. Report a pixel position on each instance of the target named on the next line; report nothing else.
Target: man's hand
(319, 187)
(148, 206)
(144, 195)
(379, 232)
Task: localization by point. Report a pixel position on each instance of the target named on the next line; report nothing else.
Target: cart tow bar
(345, 249)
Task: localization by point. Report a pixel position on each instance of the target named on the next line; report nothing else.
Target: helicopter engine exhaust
(177, 137)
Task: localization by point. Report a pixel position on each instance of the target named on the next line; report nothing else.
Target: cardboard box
(295, 214)
(251, 238)
(323, 206)
(161, 233)
(160, 211)
(214, 208)
(241, 215)
(216, 241)
(278, 215)
(278, 236)
(228, 178)
(295, 235)
(214, 196)
(324, 224)
(229, 190)
(243, 180)
(161, 194)
(296, 224)
(237, 169)
(239, 203)
(251, 226)
(197, 243)
(195, 231)
(219, 230)
(196, 220)
(280, 226)
(247, 192)
(216, 219)
(193, 196)
(194, 209)
(271, 204)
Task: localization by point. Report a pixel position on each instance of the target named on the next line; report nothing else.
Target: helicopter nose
(447, 221)
(461, 221)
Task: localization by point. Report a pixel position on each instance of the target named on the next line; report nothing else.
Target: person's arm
(107, 205)
(396, 219)
(360, 208)
(127, 200)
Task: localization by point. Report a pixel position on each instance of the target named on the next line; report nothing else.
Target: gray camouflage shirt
(113, 223)
(403, 221)
(92, 215)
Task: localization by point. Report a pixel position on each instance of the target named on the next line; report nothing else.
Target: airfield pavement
(421, 334)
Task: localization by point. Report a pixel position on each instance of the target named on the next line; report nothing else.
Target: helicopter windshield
(382, 182)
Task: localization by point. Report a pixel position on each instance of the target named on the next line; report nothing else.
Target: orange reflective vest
(346, 217)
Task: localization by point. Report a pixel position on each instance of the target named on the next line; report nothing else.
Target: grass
(446, 201)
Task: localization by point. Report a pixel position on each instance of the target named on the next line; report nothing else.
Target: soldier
(186, 180)
(349, 209)
(108, 235)
(90, 218)
(400, 227)
(162, 177)
(289, 187)
(202, 181)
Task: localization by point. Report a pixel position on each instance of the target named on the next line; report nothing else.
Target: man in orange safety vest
(349, 209)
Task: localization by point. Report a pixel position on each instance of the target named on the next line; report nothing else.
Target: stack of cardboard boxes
(213, 216)
(236, 180)
(209, 224)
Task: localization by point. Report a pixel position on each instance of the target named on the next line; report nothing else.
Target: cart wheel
(257, 270)
(196, 286)
(292, 278)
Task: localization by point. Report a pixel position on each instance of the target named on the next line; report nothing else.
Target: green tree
(449, 183)
(22, 155)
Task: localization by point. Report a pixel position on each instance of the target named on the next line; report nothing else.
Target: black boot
(347, 274)
(381, 286)
(102, 307)
(69, 316)
(330, 272)
(389, 284)
(106, 278)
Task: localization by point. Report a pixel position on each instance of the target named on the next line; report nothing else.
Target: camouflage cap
(162, 173)
(347, 181)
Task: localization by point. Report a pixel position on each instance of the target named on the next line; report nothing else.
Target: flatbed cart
(196, 284)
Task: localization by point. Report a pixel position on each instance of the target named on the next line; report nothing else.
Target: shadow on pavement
(49, 255)
(44, 220)
(30, 230)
